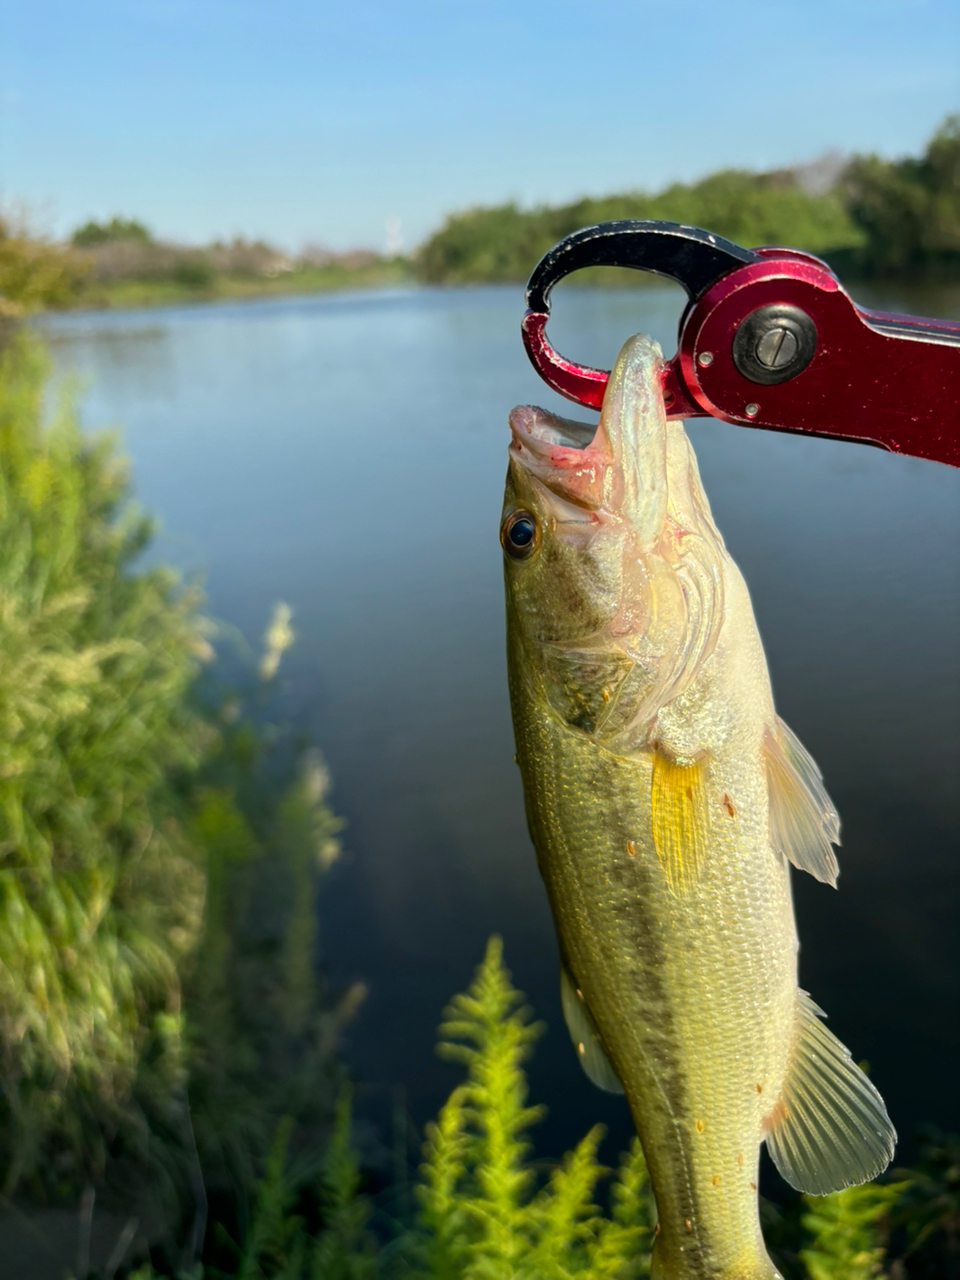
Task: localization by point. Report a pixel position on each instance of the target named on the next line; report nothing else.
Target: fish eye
(520, 535)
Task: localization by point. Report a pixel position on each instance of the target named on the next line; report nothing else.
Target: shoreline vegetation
(869, 218)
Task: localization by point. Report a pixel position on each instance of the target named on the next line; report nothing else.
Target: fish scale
(663, 832)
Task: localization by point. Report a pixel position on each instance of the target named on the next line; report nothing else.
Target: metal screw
(705, 359)
(777, 348)
(774, 344)
(752, 410)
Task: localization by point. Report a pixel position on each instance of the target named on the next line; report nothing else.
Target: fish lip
(559, 453)
(542, 430)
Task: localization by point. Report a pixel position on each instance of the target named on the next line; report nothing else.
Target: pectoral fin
(830, 1128)
(586, 1038)
(803, 820)
(679, 819)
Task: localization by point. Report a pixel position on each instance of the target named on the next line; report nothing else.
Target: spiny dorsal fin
(586, 1038)
(679, 819)
(803, 820)
(830, 1128)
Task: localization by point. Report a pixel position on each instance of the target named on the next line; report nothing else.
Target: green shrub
(881, 218)
(849, 1232)
(909, 210)
(94, 233)
(263, 1027)
(482, 1215)
(101, 888)
(505, 243)
(35, 274)
(928, 1212)
(160, 852)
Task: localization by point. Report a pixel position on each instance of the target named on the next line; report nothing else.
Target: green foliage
(93, 233)
(849, 1231)
(482, 1216)
(194, 273)
(263, 1027)
(486, 1214)
(35, 274)
(504, 243)
(882, 218)
(909, 210)
(278, 1245)
(128, 269)
(343, 1250)
(160, 851)
(101, 889)
(929, 1209)
(626, 1238)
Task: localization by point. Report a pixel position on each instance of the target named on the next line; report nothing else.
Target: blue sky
(322, 122)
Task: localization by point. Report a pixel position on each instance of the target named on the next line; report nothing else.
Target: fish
(666, 801)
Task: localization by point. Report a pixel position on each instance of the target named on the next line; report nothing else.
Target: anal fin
(830, 1128)
(803, 821)
(586, 1038)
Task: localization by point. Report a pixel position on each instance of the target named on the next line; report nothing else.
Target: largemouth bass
(665, 799)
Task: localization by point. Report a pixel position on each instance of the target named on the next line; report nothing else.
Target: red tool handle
(880, 379)
(770, 339)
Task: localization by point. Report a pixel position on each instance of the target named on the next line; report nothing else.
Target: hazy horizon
(310, 124)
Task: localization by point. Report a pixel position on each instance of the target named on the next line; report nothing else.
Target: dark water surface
(346, 454)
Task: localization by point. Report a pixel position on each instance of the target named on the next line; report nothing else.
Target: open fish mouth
(560, 453)
(538, 429)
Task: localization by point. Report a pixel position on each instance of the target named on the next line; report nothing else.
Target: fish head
(610, 554)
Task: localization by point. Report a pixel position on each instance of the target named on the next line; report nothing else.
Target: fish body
(664, 799)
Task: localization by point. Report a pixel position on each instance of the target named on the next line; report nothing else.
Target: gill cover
(624, 600)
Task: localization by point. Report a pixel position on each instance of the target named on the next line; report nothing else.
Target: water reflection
(347, 455)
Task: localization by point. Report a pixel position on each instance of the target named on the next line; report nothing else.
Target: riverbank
(130, 294)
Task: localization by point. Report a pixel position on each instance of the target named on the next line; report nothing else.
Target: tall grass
(160, 850)
(101, 888)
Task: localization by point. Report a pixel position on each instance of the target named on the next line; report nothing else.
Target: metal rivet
(705, 359)
(752, 410)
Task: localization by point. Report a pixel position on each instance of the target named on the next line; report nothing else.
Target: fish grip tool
(769, 338)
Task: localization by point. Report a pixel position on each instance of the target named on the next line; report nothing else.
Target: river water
(346, 454)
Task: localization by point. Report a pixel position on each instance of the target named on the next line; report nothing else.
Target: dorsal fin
(803, 821)
(679, 818)
(830, 1128)
(585, 1037)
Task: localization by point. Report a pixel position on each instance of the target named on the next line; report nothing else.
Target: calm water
(346, 455)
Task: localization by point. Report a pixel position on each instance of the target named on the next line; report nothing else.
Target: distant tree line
(120, 263)
(868, 217)
(875, 218)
